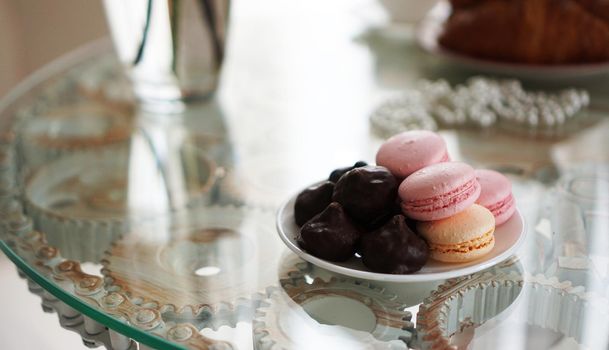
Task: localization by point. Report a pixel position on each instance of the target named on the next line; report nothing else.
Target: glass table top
(161, 227)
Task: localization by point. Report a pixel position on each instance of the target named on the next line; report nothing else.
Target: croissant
(529, 31)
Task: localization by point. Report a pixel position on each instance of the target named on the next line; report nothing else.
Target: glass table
(155, 230)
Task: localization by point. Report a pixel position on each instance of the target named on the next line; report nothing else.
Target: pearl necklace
(481, 102)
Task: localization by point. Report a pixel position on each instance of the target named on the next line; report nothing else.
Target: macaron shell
(439, 191)
(504, 211)
(495, 187)
(473, 254)
(435, 180)
(496, 194)
(407, 152)
(464, 237)
(470, 224)
(444, 210)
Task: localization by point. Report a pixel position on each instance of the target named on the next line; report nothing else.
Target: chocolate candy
(312, 201)
(330, 235)
(336, 174)
(367, 193)
(393, 210)
(394, 248)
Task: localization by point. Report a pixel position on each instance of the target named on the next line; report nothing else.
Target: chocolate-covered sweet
(337, 173)
(393, 210)
(312, 201)
(367, 193)
(394, 248)
(330, 235)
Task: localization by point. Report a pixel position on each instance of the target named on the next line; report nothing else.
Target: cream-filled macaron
(407, 152)
(463, 237)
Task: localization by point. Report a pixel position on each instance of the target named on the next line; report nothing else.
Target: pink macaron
(496, 194)
(407, 152)
(439, 191)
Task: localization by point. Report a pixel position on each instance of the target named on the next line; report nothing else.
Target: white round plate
(508, 238)
(430, 29)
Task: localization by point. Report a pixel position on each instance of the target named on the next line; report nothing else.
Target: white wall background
(33, 32)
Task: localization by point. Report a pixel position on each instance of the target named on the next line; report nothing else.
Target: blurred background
(32, 33)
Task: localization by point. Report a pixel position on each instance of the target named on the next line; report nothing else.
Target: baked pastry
(407, 152)
(496, 195)
(439, 191)
(464, 237)
(529, 31)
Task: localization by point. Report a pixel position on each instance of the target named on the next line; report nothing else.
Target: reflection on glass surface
(339, 313)
(170, 50)
(171, 259)
(549, 315)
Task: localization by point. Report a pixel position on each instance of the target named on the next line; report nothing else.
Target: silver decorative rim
(392, 328)
(97, 227)
(67, 274)
(99, 231)
(16, 229)
(475, 300)
(37, 146)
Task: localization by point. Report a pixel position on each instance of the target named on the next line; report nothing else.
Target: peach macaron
(464, 237)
